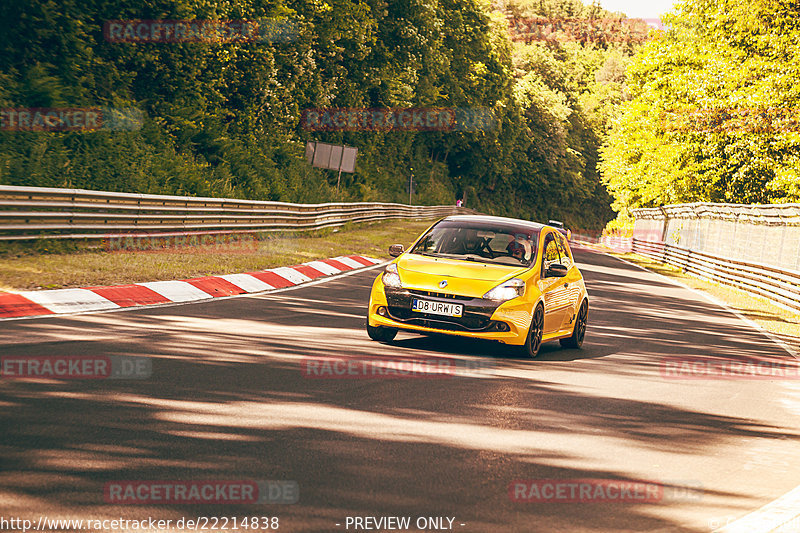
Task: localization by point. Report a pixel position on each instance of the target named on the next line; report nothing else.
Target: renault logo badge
(443, 284)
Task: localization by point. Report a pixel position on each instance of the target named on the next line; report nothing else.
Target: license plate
(437, 308)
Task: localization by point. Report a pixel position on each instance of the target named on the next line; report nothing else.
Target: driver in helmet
(520, 247)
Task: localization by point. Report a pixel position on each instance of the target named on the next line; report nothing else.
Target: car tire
(534, 339)
(381, 333)
(579, 331)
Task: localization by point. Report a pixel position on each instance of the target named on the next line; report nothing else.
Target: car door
(572, 279)
(557, 304)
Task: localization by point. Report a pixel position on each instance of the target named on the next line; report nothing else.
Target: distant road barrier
(753, 247)
(41, 212)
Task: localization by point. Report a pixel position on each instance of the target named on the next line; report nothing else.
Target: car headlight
(506, 291)
(391, 278)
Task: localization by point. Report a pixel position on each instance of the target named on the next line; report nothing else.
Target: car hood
(467, 278)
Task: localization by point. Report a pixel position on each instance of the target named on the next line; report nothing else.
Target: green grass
(55, 265)
(784, 323)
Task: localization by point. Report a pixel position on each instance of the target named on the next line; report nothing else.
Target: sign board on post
(322, 155)
(335, 162)
(332, 156)
(349, 159)
(310, 152)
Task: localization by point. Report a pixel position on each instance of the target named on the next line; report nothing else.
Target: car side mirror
(396, 249)
(556, 270)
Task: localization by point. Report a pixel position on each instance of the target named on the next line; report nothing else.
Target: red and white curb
(61, 301)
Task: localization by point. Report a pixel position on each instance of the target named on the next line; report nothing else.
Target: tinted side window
(551, 254)
(566, 259)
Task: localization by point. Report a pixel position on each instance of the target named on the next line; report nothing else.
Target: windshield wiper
(477, 259)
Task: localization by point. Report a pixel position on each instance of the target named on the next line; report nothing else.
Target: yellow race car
(483, 277)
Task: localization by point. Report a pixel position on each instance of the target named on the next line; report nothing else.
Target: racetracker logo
(76, 367)
(398, 119)
(217, 242)
(201, 492)
(393, 368)
(66, 119)
(738, 120)
(719, 368)
(589, 490)
(583, 30)
(200, 31)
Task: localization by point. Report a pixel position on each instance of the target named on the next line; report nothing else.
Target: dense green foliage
(713, 114)
(223, 119)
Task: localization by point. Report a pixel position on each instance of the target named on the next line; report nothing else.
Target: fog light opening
(382, 311)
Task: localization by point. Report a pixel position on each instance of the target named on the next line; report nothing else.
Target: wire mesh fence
(753, 247)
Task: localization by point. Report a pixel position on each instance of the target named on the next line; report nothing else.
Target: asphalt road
(228, 400)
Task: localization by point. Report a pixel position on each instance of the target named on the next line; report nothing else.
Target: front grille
(476, 315)
(467, 322)
(440, 295)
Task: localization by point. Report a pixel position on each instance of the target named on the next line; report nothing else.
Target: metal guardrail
(41, 212)
(759, 233)
(767, 214)
(779, 285)
(753, 247)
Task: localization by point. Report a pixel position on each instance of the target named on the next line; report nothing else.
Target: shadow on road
(227, 400)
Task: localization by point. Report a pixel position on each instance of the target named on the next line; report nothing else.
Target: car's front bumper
(507, 321)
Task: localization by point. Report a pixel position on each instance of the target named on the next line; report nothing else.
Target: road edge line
(776, 513)
(769, 517)
(771, 336)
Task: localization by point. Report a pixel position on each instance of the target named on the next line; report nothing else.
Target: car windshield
(484, 242)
